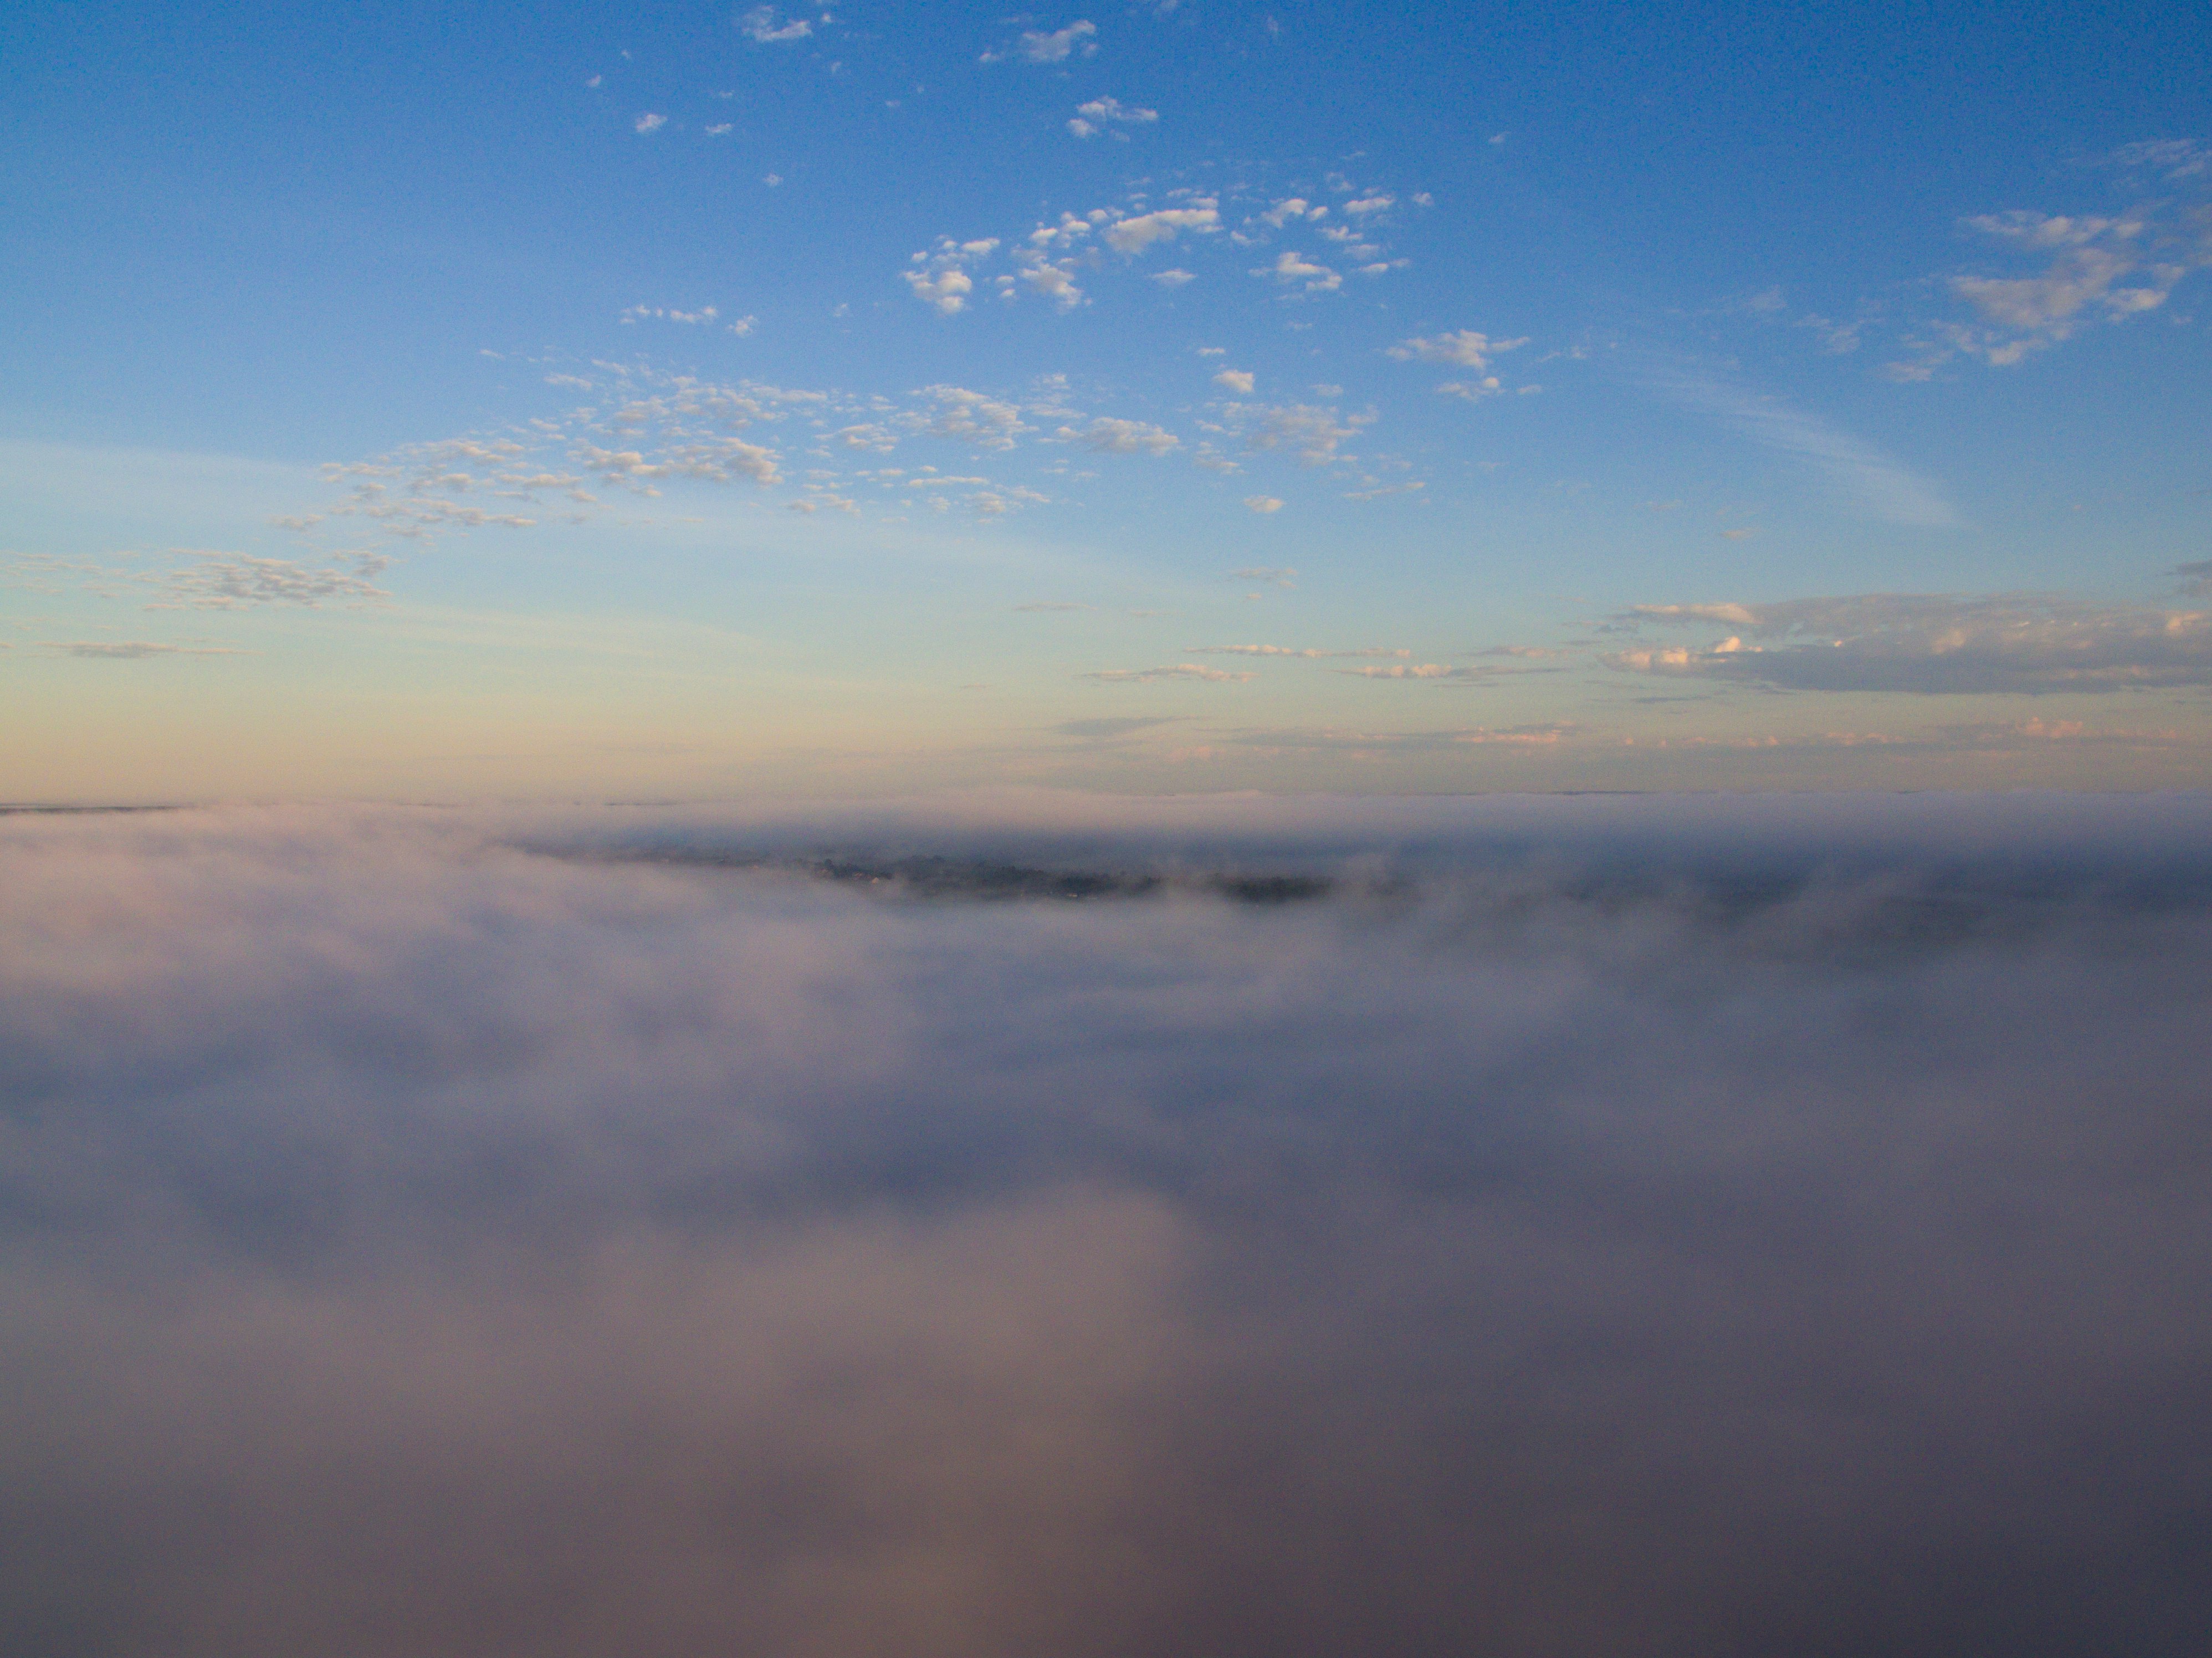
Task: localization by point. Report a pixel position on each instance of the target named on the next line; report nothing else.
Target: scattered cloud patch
(1931, 644)
(1467, 348)
(1121, 437)
(760, 25)
(1295, 268)
(1091, 117)
(1079, 38)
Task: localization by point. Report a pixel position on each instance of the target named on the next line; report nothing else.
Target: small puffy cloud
(1090, 117)
(1263, 504)
(1055, 283)
(1037, 46)
(650, 122)
(1370, 204)
(986, 422)
(1172, 278)
(1294, 207)
(1465, 346)
(1238, 380)
(1122, 437)
(1314, 434)
(760, 24)
(1133, 236)
(636, 314)
(1176, 671)
(1289, 267)
(946, 290)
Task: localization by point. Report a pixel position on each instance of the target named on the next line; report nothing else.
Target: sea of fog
(1038, 1224)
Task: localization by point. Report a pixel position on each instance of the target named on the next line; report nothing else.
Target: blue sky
(710, 399)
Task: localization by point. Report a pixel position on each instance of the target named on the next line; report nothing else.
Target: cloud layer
(1600, 1227)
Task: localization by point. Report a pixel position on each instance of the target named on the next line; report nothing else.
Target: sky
(704, 401)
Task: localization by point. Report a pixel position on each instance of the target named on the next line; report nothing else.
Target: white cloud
(650, 122)
(946, 289)
(760, 25)
(1263, 504)
(2096, 269)
(1238, 380)
(702, 317)
(1055, 282)
(1467, 348)
(1172, 278)
(1089, 116)
(1122, 437)
(987, 422)
(1314, 434)
(1038, 47)
(2173, 158)
(1367, 204)
(1134, 235)
(1285, 577)
(1291, 267)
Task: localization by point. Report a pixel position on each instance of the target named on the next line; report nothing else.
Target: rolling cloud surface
(1540, 1228)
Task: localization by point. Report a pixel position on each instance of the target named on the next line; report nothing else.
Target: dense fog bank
(1609, 1227)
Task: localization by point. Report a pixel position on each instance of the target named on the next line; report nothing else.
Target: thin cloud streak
(1877, 485)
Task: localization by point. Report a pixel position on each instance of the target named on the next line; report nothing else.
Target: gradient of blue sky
(1780, 316)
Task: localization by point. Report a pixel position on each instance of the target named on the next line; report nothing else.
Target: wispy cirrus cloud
(1871, 481)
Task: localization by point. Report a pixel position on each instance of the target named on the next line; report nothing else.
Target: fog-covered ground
(1038, 1226)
